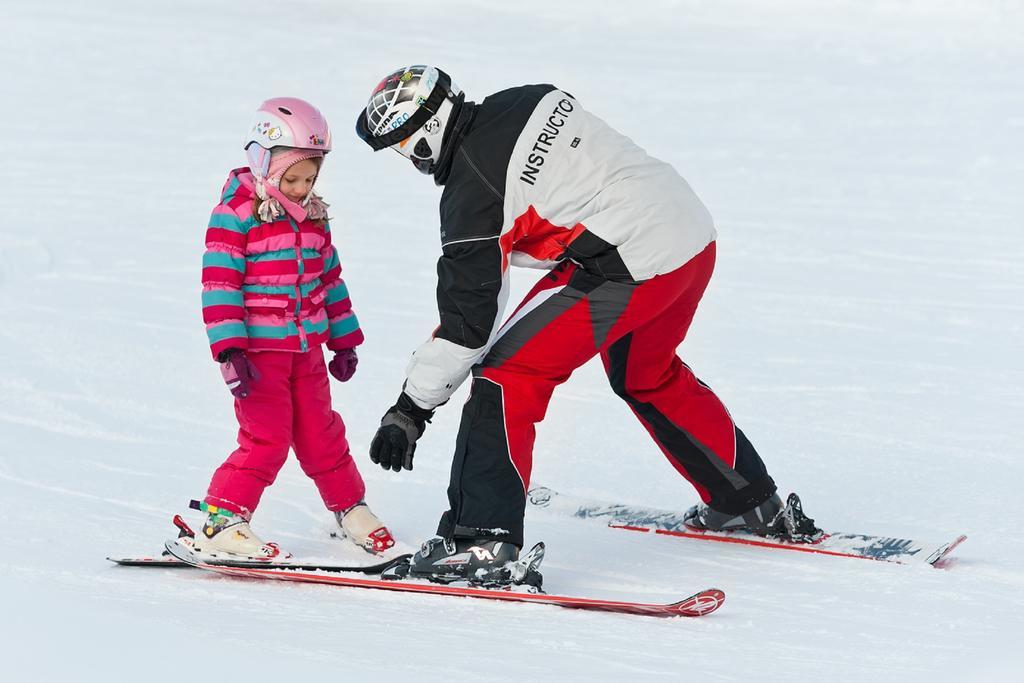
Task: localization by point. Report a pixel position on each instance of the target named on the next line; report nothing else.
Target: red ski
(702, 603)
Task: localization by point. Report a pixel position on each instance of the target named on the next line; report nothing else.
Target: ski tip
(705, 602)
(940, 557)
(164, 561)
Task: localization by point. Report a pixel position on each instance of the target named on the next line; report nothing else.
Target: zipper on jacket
(303, 342)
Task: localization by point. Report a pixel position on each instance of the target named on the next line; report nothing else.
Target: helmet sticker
(289, 122)
(432, 126)
(399, 120)
(392, 121)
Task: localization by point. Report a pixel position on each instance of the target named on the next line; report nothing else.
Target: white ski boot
(226, 535)
(364, 529)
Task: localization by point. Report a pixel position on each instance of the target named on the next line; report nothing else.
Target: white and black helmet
(409, 111)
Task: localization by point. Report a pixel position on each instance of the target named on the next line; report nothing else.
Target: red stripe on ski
(935, 560)
(803, 548)
(697, 605)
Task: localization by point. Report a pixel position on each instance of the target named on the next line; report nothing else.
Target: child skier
(272, 295)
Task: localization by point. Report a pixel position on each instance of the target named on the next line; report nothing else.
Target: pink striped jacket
(271, 286)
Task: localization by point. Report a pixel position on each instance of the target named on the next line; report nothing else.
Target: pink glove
(239, 372)
(344, 364)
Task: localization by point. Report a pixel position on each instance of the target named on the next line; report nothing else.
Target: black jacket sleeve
(469, 283)
(471, 286)
(472, 273)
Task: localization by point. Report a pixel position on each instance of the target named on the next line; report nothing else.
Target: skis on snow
(175, 559)
(702, 603)
(667, 523)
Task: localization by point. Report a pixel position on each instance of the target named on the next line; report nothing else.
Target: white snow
(864, 163)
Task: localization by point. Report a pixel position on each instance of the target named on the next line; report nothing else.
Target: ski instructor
(533, 179)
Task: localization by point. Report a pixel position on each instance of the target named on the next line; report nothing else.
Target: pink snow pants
(289, 407)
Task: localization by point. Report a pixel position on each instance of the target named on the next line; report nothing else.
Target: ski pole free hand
(239, 372)
(395, 442)
(343, 365)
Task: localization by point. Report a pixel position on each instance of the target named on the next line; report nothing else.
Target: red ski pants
(289, 407)
(569, 317)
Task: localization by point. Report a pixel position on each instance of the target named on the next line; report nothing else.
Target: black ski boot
(756, 520)
(770, 518)
(480, 562)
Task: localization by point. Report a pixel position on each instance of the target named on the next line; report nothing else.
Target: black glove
(395, 442)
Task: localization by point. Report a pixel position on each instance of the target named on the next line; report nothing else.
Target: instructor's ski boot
(756, 520)
(363, 528)
(227, 535)
(770, 518)
(793, 525)
(480, 562)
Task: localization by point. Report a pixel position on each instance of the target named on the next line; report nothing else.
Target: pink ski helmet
(284, 122)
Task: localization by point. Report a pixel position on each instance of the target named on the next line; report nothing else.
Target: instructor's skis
(697, 605)
(668, 523)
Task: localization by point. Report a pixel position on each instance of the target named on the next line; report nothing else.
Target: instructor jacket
(530, 179)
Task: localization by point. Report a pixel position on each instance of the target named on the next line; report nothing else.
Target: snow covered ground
(864, 162)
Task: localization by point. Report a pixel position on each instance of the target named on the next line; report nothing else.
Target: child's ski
(667, 523)
(165, 560)
(180, 549)
(702, 603)
(176, 558)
